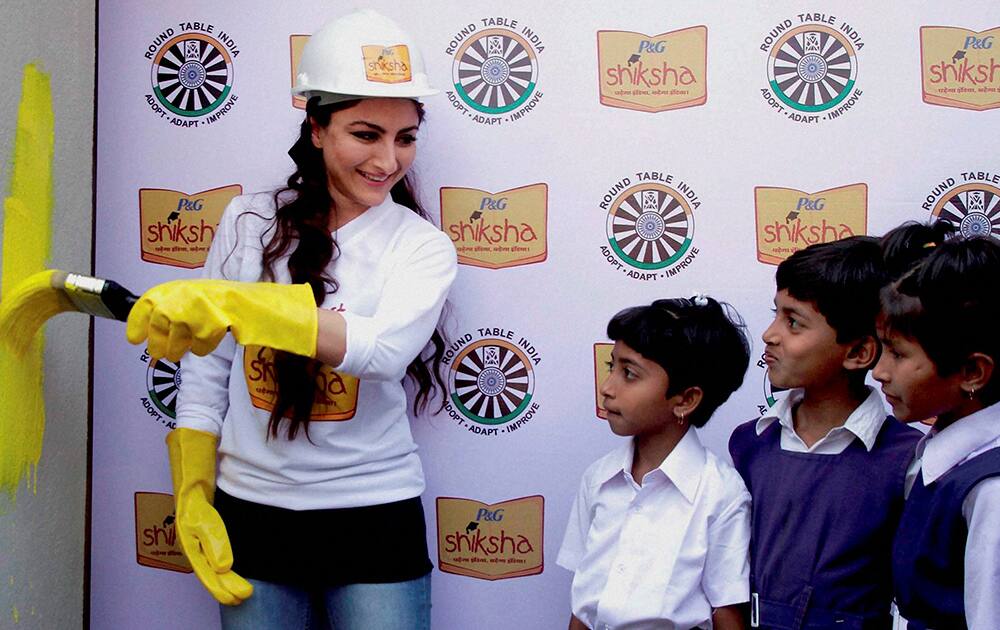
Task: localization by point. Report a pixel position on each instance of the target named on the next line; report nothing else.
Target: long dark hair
(301, 220)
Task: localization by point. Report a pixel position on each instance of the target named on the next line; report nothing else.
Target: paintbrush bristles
(28, 306)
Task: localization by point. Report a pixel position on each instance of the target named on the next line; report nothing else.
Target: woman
(319, 482)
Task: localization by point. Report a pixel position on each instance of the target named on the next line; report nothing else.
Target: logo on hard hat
(192, 74)
(387, 64)
(495, 70)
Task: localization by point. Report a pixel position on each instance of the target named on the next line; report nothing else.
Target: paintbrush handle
(118, 299)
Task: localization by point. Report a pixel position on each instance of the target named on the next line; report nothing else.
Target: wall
(42, 535)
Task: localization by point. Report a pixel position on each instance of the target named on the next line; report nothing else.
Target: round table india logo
(973, 208)
(495, 72)
(491, 382)
(192, 74)
(650, 226)
(163, 380)
(812, 68)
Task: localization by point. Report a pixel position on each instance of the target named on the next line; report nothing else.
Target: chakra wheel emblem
(973, 208)
(491, 382)
(812, 68)
(495, 72)
(650, 226)
(192, 75)
(163, 380)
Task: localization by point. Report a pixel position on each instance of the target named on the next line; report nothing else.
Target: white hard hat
(361, 54)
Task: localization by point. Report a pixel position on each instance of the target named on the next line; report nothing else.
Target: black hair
(303, 209)
(842, 279)
(950, 304)
(909, 243)
(699, 342)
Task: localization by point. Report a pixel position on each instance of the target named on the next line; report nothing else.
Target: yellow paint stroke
(26, 242)
(26, 308)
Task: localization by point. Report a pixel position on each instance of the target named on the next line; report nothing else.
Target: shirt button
(621, 569)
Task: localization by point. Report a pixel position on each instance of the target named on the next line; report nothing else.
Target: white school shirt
(937, 453)
(394, 270)
(664, 554)
(863, 423)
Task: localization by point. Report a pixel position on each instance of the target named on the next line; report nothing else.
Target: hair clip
(930, 245)
(700, 299)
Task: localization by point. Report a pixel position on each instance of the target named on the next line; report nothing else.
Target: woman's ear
(976, 371)
(864, 354)
(317, 133)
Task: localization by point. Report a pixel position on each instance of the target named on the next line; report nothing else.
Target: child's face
(801, 346)
(910, 380)
(635, 394)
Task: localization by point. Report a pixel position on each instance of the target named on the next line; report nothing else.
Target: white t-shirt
(664, 554)
(394, 270)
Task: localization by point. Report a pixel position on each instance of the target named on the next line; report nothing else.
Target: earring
(679, 418)
(971, 393)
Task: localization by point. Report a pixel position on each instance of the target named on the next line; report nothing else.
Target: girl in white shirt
(940, 351)
(659, 534)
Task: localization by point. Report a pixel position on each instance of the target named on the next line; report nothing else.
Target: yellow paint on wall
(26, 242)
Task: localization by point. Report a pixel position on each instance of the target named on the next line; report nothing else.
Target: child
(942, 345)
(825, 467)
(659, 531)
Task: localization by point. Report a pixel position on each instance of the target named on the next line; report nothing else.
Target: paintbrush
(47, 293)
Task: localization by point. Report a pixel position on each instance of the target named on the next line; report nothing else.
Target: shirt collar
(945, 449)
(781, 411)
(864, 422)
(683, 466)
(363, 221)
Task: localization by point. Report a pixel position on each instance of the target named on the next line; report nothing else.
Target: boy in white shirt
(659, 533)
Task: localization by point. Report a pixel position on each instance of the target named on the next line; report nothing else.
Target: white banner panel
(639, 105)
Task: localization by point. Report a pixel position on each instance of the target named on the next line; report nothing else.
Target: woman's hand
(195, 315)
(200, 529)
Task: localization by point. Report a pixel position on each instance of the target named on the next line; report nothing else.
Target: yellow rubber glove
(199, 527)
(196, 314)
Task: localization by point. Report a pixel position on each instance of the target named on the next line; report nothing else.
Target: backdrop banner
(583, 158)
